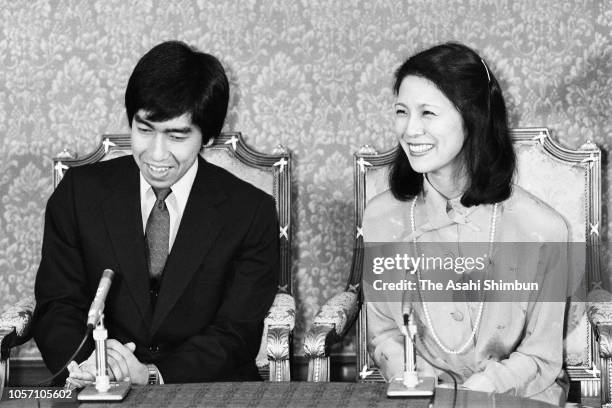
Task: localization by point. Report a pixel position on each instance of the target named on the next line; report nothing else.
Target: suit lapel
(201, 223)
(123, 220)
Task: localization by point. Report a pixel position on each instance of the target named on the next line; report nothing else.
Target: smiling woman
(448, 94)
(451, 182)
(431, 133)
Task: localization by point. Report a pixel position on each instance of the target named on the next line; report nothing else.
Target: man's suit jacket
(219, 281)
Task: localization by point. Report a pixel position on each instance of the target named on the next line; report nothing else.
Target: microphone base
(117, 392)
(425, 388)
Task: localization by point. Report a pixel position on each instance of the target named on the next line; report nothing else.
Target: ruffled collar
(441, 212)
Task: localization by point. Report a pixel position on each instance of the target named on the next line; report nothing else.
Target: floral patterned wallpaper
(313, 75)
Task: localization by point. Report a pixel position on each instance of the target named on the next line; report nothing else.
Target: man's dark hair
(489, 158)
(173, 79)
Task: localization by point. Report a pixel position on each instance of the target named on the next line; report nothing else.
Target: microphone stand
(103, 389)
(411, 384)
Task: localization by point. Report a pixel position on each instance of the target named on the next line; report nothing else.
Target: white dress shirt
(175, 202)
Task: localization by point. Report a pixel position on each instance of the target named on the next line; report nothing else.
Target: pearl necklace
(492, 226)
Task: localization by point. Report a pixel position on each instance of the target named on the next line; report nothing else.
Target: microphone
(103, 389)
(411, 378)
(97, 306)
(411, 384)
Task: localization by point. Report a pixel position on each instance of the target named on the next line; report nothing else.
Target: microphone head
(108, 273)
(97, 305)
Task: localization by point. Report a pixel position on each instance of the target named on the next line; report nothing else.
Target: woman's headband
(486, 69)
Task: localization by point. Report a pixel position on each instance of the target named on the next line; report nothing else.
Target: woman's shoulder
(384, 217)
(534, 218)
(383, 203)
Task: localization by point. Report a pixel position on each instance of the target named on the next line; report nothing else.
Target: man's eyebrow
(140, 119)
(185, 129)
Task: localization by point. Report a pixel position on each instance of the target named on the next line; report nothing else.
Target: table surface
(288, 394)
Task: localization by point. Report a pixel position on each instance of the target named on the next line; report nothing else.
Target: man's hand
(84, 374)
(122, 366)
(123, 363)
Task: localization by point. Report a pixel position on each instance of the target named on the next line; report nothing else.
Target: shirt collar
(441, 210)
(180, 189)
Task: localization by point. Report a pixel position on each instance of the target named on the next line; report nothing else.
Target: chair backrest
(569, 181)
(268, 172)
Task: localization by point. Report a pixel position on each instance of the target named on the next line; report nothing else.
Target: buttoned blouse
(518, 347)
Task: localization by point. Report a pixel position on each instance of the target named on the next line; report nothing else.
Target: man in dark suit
(194, 248)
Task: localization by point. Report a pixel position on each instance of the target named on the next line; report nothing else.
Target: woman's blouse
(518, 346)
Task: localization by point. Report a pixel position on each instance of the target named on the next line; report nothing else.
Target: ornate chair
(568, 180)
(269, 172)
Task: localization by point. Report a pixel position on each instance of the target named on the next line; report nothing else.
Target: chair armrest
(15, 323)
(275, 346)
(280, 322)
(282, 311)
(331, 324)
(599, 312)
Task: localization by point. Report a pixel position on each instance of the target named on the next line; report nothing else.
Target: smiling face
(429, 127)
(165, 150)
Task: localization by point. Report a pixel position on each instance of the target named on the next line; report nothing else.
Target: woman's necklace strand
(492, 226)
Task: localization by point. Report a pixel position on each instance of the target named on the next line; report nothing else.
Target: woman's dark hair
(173, 79)
(464, 78)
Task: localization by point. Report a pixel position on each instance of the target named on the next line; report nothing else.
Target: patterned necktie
(157, 233)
